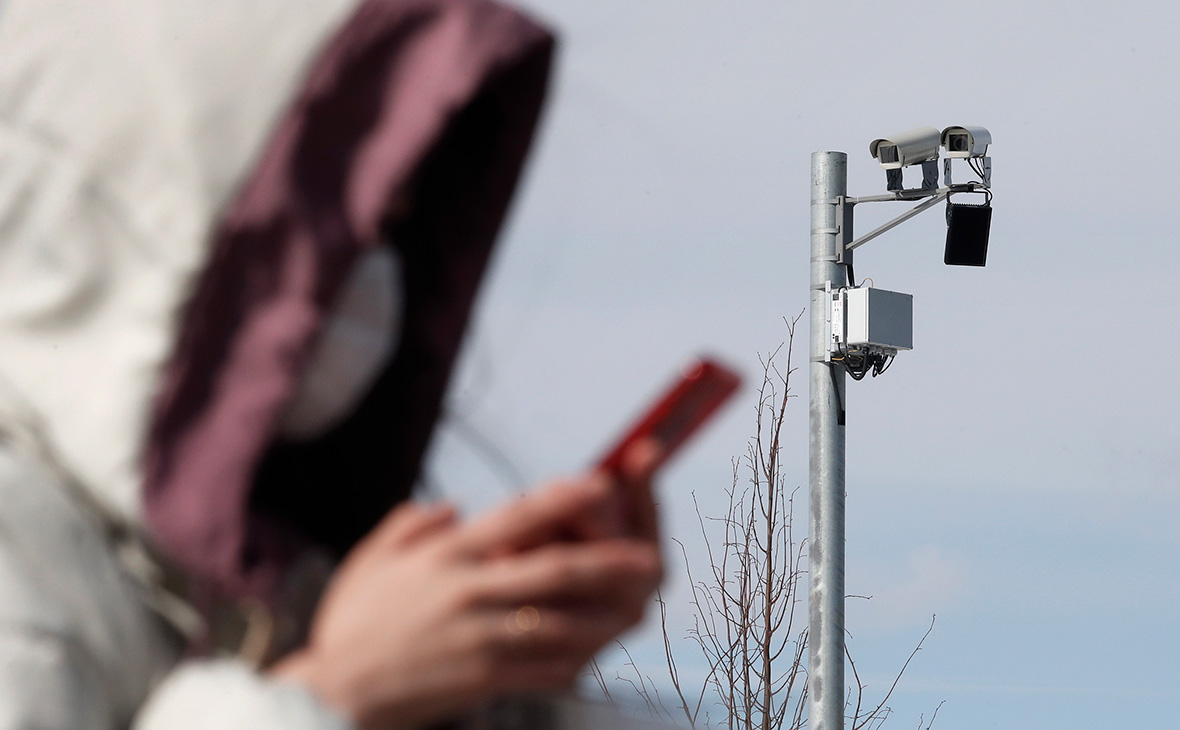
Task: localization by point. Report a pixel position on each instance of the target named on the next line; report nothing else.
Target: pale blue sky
(1017, 473)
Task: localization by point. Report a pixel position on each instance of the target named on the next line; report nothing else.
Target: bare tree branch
(744, 606)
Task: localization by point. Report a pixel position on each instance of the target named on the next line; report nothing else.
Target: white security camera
(966, 141)
(907, 148)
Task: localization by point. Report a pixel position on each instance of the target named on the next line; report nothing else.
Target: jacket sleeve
(50, 683)
(229, 695)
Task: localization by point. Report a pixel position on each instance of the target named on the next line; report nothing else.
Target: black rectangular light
(967, 228)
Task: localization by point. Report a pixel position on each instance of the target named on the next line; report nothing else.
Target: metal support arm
(933, 197)
(940, 196)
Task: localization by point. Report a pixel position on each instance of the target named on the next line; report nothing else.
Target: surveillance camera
(966, 141)
(907, 148)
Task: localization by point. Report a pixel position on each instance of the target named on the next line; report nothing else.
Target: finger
(532, 520)
(557, 634)
(635, 475)
(605, 520)
(498, 658)
(527, 676)
(641, 459)
(600, 572)
(408, 523)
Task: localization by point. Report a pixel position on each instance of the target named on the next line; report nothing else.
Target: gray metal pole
(825, 668)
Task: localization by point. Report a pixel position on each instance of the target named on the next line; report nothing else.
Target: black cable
(971, 162)
(977, 165)
(857, 366)
(836, 390)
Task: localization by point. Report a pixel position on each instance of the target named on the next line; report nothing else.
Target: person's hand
(625, 506)
(427, 618)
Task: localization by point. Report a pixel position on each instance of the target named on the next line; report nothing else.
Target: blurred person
(239, 244)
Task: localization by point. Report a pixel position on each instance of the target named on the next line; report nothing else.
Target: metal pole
(825, 668)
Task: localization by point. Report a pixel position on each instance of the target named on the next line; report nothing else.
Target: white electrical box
(873, 319)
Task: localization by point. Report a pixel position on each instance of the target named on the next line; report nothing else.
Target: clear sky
(1017, 473)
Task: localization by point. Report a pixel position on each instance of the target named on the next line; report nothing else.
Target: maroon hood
(409, 129)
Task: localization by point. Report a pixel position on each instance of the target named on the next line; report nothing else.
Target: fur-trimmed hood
(184, 189)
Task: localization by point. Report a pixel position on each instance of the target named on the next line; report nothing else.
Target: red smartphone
(703, 387)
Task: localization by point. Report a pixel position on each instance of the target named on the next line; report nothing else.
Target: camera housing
(908, 148)
(963, 142)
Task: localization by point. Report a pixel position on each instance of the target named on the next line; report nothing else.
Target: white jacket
(81, 649)
(185, 190)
